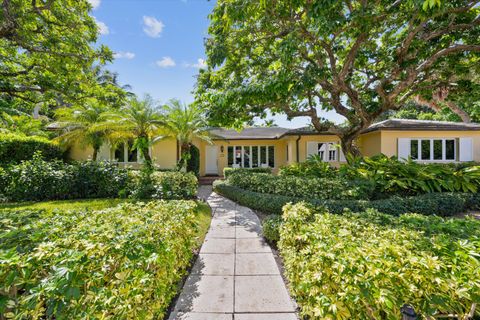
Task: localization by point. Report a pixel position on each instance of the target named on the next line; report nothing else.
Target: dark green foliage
(227, 172)
(40, 180)
(383, 175)
(193, 163)
(292, 186)
(271, 228)
(442, 204)
(143, 186)
(162, 185)
(16, 148)
(314, 167)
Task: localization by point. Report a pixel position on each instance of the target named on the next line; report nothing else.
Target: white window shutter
(104, 152)
(342, 155)
(403, 148)
(466, 149)
(312, 148)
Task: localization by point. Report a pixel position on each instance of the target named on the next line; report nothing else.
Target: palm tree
(140, 121)
(185, 123)
(81, 125)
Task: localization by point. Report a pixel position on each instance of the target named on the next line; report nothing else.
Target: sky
(158, 46)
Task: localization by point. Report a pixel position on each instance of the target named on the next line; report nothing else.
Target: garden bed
(118, 262)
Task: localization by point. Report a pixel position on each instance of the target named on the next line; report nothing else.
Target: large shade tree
(185, 123)
(359, 58)
(47, 51)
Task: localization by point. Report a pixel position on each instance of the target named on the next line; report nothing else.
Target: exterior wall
(389, 140)
(164, 153)
(80, 153)
(370, 144)
(302, 145)
(222, 159)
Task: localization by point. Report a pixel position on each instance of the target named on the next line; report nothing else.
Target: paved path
(235, 276)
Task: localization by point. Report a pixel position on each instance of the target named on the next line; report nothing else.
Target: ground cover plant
(367, 265)
(117, 263)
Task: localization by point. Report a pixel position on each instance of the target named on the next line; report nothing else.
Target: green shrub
(227, 172)
(15, 148)
(314, 167)
(271, 227)
(193, 163)
(443, 204)
(166, 185)
(39, 180)
(118, 263)
(367, 265)
(292, 186)
(391, 176)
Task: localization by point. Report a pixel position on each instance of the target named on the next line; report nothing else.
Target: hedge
(41, 180)
(300, 187)
(368, 265)
(443, 204)
(227, 172)
(15, 148)
(119, 263)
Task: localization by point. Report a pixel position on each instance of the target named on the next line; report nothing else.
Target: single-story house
(424, 141)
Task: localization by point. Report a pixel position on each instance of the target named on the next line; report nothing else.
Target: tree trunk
(95, 153)
(184, 155)
(146, 156)
(439, 98)
(349, 147)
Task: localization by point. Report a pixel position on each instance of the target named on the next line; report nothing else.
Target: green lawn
(92, 204)
(204, 217)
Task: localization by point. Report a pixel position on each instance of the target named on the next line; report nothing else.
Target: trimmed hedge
(118, 263)
(15, 148)
(167, 184)
(271, 228)
(291, 186)
(227, 172)
(443, 204)
(368, 265)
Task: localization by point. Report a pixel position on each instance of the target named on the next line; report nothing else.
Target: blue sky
(159, 45)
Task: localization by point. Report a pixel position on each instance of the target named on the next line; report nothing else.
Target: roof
(421, 125)
(249, 133)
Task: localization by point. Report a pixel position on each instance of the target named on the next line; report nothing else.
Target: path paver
(235, 276)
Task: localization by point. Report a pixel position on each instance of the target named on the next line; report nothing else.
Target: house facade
(423, 141)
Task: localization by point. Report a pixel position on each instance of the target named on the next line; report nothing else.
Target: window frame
(431, 157)
(250, 148)
(330, 147)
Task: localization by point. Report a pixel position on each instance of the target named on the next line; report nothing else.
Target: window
(125, 153)
(432, 149)
(251, 156)
(328, 151)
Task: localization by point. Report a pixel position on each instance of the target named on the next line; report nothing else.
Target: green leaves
(370, 264)
(118, 263)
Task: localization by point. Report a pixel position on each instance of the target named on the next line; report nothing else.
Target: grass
(204, 216)
(91, 204)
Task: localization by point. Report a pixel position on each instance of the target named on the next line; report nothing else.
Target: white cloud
(201, 64)
(152, 26)
(124, 55)
(166, 62)
(102, 28)
(95, 3)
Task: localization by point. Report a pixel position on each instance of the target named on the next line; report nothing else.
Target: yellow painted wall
(389, 139)
(370, 143)
(80, 153)
(164, 153)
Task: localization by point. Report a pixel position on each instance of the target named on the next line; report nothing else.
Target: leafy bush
(391, 176)
(193, 163)
(292, 186)
(38, 179)
(165, 185)
(368, 265)
(118, 263)
(271, 227)
(227, 172)
(314, 167)
(443, 204)
(15, 148)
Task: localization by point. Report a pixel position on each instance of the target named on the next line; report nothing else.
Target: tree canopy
(48, 53)
(359, 58)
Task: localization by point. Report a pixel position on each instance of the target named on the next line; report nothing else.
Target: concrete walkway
(235, 276)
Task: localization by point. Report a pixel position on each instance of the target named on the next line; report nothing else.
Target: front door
(211, 165)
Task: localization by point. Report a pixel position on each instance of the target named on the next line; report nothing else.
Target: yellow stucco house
(424, 141)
